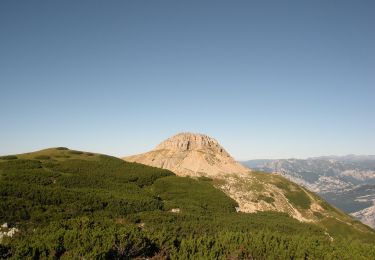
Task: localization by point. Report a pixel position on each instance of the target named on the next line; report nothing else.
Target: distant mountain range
(348, 182)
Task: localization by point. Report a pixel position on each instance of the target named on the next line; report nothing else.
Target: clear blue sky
(268, 79)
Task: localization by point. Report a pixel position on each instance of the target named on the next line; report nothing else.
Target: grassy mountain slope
(71, 204)
(261, 191)
(347, 182)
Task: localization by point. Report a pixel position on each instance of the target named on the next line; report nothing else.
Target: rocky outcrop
(188, 154)
(5, 231)
(366, 216)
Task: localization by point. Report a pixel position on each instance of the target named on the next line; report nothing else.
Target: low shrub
(42, 157)
(8, 157)
(76, 152)
(204, 178)
(62, 148)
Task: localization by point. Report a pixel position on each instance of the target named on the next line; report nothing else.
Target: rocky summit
(190, 154)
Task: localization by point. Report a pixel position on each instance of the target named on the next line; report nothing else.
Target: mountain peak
(192, 142)
(191, 154)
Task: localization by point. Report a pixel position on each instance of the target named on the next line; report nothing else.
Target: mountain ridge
(254, 191)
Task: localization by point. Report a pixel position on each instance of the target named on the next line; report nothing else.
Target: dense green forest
(77, 205)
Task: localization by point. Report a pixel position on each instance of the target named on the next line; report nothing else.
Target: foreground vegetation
(70, 204)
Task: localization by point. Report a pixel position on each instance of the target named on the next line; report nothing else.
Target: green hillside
(272, 192)
(70, 205)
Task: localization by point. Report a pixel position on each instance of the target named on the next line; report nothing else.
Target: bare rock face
(366, 216)
(188, 154)
(191, 142)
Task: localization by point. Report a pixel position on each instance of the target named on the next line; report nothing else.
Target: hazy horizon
(267, 80)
